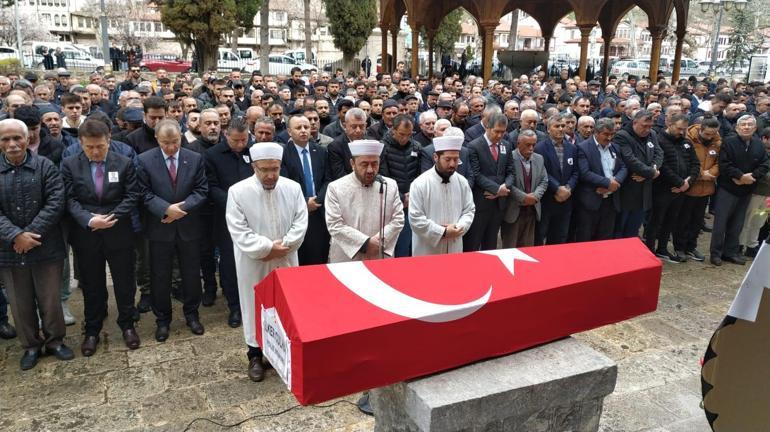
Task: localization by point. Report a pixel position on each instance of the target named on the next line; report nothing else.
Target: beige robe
(434, 204)
(255, 217)
(353, 215)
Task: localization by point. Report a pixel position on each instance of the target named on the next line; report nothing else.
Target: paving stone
(160, 353)
(126, 385)
(27, 402)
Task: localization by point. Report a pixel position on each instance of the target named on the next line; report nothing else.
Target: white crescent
(361, 281)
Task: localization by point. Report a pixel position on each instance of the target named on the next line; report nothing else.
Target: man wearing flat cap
(266, 215)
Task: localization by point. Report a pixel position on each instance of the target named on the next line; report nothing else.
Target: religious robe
(433, 204)
(255, 217)
(353, 215)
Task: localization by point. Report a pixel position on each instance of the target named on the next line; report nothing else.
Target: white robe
(255, 217)
(433, 204)
(353, 215)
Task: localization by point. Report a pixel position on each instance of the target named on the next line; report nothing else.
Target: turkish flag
(336, 329)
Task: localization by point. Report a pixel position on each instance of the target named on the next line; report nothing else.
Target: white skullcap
(266, 150)
(447, 143)
(366, 148)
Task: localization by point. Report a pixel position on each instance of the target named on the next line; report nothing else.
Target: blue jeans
(628, 222)
(404, 242)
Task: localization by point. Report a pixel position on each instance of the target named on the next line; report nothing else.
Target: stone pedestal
(555, 387)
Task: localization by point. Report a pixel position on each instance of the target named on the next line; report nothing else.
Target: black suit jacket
(159, 194)
(120, 195)
(142, 139)
(291, 167)
(339, 157)
(489, 174)
(225, 168)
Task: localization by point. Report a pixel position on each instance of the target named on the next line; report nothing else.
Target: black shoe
(364, 406)
(668, 256)
(145, 304)
(256, 370)
(716, 261)
(161, 333)
(62, 352)
(208, 298)
(29, 359)
(695, 255)
(234, 320)
(8, 332)
(681, 255)
(195, 326)
(735, 260)
(752, 251)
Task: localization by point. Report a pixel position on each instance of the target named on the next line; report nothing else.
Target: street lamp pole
(715, 47)
(103, 23)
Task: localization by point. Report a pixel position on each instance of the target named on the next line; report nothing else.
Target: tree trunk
(349, 63)
(264, 38)
(234, 39)
(308, 34)
(513, 34)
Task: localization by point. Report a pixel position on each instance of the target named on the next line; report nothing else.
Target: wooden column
(431, 34)
(677, 58)
(606, 62)
(394, 40)
(657, 34)
(384, 58)
(415, 70)
(488, 50)
(585, 33)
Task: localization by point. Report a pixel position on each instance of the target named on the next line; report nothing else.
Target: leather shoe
(131, 338)
(62, 352)
(716, 261)
(29, 359)
(8, 332)
(208, 297)
(145, 304)
(234, 320)
(88, 347)
(195, 326)
(161, 333)
(734, 259)
(256, 371)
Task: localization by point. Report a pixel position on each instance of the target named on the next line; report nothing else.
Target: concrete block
(555, 387)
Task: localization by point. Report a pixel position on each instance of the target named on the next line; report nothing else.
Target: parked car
(299, 56)
(75, 58)
(624, 68)
(170, 62)
(281, 64)
(229, 60)
(7, 52)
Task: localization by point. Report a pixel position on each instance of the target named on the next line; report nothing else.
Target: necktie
(307, 174)
(99, 179)
(172, 170)
(493, 149)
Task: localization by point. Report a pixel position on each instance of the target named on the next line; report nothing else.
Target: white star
(508, 256)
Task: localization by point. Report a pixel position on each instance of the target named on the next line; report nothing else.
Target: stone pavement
(163, 387)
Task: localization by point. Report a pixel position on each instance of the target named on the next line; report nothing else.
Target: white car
(75, 58)
(624, 68)
(281, 64)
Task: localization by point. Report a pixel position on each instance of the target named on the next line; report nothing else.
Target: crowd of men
(172, 182)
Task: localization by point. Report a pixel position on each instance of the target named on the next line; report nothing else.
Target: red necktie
(493, 149)
(172, 170)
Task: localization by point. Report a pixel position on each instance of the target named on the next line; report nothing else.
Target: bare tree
(513, 34)
(308, 33)
(264, 37)
(125, 15)
(30, 28)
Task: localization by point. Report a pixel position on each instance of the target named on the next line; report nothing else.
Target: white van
(299, 56)
(229, 60)
(75, 58)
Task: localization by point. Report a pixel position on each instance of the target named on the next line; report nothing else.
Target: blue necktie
(309, 190)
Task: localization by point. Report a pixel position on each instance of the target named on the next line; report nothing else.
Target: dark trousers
(404, 241)
(92, 260)
(553, 226)
(207, 245)
(228, 278)
(663, 218)
(628, 222)
(161, 256)
(142, 265)
(597, 224)
(3, 307)
(484, 230)
(522, 232)
(315, 247)
(729, 214)
(690, 222)
(31, 289)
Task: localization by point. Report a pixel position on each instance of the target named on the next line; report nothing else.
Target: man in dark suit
(305, 162)
(339, 151)
(102, 192)
(602, 171)
(492, 168)
(174, 183)
(227, 163)
(643, 157)
(560, 158)
(143, 139)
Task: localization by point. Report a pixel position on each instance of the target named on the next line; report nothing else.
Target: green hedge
(10, 65)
